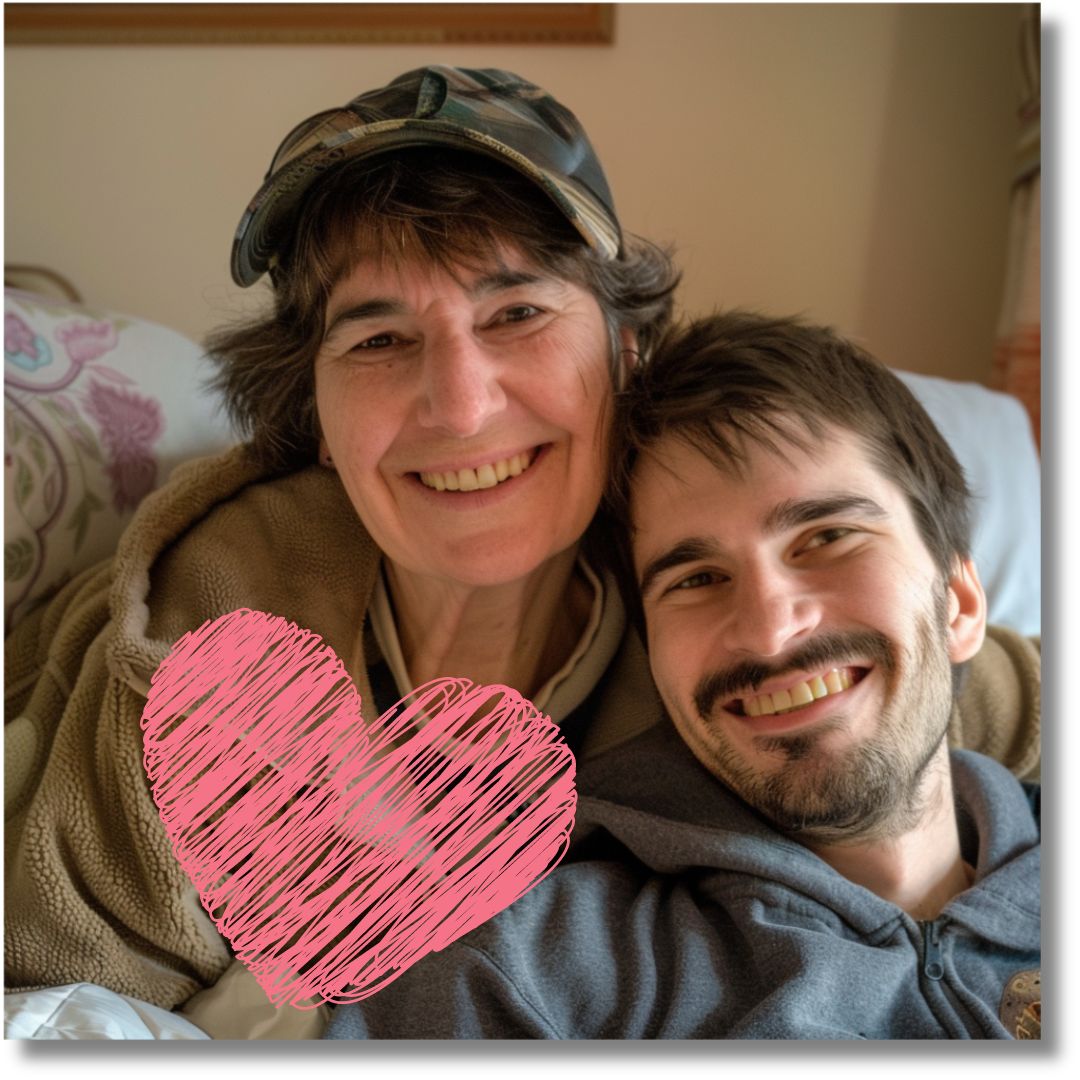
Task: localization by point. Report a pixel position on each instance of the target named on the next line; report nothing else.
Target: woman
(454, 365)
(427, 408)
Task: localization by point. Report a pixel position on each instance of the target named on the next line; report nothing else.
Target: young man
(798, 855)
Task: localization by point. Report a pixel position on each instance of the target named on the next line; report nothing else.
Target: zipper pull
(933, 967)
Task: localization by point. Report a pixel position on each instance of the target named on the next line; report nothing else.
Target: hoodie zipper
(933, 965)
(956, 1019)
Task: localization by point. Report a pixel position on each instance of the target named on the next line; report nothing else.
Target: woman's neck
(517, 634)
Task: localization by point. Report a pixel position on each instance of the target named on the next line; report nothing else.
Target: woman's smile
(459, 491)
(481, 477)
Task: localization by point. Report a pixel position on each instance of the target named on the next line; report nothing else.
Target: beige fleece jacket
(93, 891)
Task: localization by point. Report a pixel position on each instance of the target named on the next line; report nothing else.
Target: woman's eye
(378, 341)
(516, 314)
(827, 536)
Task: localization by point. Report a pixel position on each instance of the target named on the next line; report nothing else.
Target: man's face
(798, 629)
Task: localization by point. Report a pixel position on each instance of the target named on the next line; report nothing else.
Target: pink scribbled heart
(334, 854)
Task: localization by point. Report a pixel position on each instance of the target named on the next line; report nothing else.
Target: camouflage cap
(484, 110)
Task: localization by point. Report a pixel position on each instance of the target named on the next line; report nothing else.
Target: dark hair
(738, 376)
(450, 208)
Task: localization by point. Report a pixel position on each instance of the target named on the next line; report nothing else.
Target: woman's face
(466, 414)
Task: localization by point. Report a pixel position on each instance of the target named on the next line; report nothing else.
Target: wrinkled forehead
(385, 244)
(385, 273)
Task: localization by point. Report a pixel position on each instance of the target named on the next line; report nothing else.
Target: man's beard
(875, 788)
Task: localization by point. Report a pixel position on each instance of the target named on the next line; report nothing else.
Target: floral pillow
(98, 408)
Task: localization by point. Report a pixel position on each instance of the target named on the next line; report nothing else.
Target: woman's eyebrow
(369, 309)
(503, 279)
(378, 307)
(687, 550)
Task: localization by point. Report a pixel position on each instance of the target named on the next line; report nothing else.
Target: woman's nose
(771, 610)
(461, 385)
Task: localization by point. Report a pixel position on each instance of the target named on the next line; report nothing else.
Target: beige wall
(851, 162)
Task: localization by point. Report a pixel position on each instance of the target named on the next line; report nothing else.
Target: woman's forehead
(502, 265)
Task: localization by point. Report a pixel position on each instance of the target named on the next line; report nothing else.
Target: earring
(327, 460)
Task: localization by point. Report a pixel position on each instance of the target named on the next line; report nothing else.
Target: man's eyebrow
(792, 513)
(789, 514)
(377, 307)
(687, 550)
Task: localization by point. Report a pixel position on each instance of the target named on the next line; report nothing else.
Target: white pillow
(991, 436)
(88, 1011)
(98, 408)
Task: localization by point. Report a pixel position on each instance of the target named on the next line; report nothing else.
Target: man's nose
(771, 610)
(461, 390)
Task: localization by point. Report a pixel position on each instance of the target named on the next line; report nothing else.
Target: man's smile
(798, 694)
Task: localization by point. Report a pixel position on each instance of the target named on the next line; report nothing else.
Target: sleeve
(92, 892)
(597, 950)
(460, 993)
(42, 657)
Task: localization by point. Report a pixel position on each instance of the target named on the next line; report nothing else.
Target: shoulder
(998, 711)
(225, 534)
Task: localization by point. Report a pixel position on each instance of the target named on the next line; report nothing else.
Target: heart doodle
(334, 853)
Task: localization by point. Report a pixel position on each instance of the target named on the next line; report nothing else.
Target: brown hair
(738, 376)
(449, 208)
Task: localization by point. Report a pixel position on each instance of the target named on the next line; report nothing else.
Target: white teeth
(781, 700)
(486, 476)
(800, 694)
(795, 697)
(833, 682)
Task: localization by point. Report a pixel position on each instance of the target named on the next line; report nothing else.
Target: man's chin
(823, 793)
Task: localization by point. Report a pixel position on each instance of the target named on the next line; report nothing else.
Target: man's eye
(827, 536)
(695, 581)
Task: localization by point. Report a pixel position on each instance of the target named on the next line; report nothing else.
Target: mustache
(830, 649)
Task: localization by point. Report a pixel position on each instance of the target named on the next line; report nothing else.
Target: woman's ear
(967, 611)
(324, 454)
(629, 351)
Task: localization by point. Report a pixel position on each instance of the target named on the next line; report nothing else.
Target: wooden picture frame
(308, 24)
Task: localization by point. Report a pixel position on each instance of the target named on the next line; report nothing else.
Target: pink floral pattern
(18, 337)
(130, 424)
(75, 434)
(86, 340)
(92, 423)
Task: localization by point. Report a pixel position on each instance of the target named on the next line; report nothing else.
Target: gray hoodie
(681, 913)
